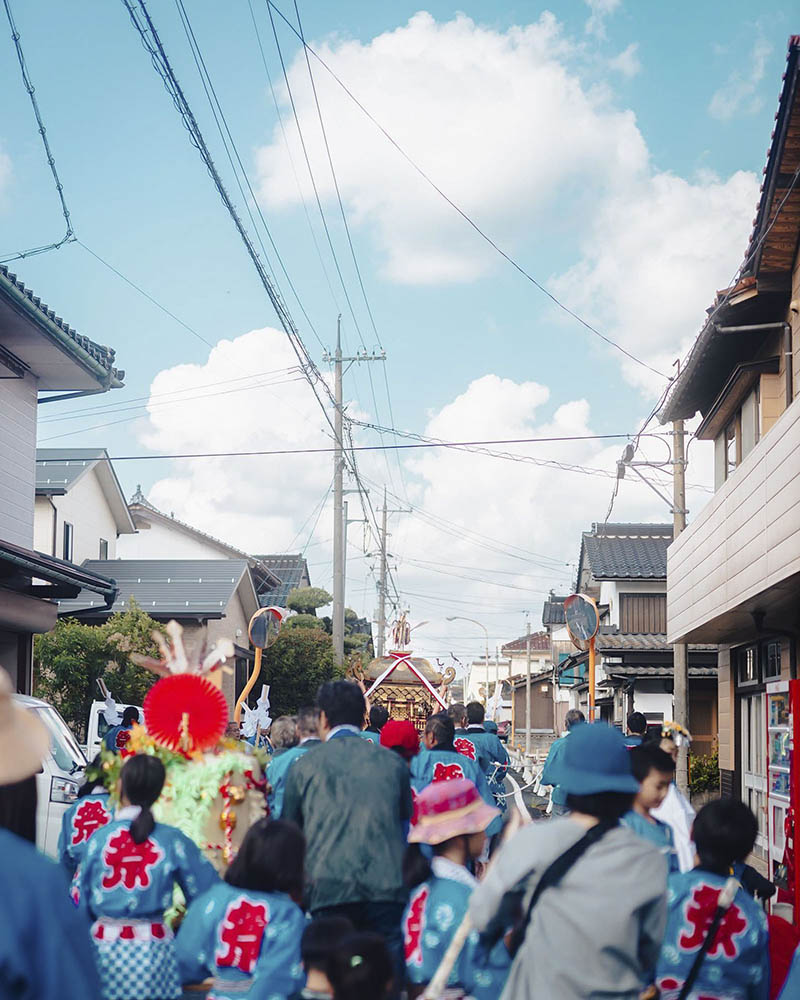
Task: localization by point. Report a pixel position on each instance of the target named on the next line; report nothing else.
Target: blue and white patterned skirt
(136, 960)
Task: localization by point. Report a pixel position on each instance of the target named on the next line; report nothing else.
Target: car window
(63, 745)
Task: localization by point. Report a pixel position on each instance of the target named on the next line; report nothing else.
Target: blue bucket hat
(595, 759)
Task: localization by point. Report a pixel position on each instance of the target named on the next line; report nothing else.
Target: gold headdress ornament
(676, 732)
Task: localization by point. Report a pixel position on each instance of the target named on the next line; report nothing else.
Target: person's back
(736, 965)
(637, 729)
(558, 796)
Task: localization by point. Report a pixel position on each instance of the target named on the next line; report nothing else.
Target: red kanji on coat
(413, 924)
(89, 816)
(447, 772)
(699, 914)
(128, 863)
(122, 739)
(465, 747)
(241, 935)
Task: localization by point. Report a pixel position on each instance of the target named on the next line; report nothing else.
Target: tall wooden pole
(680, 659)
(528, 693)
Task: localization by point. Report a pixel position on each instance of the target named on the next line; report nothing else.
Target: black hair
(441, 727)
(457, 712)
(607, 806)
(130, 715)
(18, 808)
(724, 831)
(574, 717)
(476, 713)
(320, 940)
(650, 757)
(378, 716)
(361, 968)
(342, 702)
(271, 859)
(142, 780)
(637, 723)
(92, 777)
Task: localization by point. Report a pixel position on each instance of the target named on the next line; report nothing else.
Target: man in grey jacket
(597, 932)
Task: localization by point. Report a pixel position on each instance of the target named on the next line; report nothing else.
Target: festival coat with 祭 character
(736, 966)
(443, 765)
(242, 937)
(78, 823)
(45, 952)
(351, 799)
(127, 888)
(489, 751)
(116, 739)
(434, 912)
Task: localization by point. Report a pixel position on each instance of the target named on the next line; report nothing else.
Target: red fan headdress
(184, 710)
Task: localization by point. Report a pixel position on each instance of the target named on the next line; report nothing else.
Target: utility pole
(338, 489)
(680, 658)
(528, 691)
(382, 584)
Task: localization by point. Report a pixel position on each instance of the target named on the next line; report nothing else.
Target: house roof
(662, 670)
(291, 570)
(763, 289)
(626, 551)
(539, 641)
(611, 640)
(59, 469)
(78, 363)
(168, 588)
(553, 610)
(19, 568)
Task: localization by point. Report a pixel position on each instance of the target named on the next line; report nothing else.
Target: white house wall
(85, 507)
(162, 541)
(17, 459)
(611, 589)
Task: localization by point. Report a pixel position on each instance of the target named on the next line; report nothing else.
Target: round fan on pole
(186, 712)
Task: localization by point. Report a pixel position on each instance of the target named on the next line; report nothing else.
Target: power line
(488, 239)
(51, 162)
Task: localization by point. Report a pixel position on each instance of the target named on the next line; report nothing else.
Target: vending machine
(783, 794)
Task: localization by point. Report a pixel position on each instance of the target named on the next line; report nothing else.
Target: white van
(61, 775)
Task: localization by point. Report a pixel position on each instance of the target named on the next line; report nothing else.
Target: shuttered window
(643, 613)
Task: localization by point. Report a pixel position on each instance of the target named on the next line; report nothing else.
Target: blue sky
(140, 197)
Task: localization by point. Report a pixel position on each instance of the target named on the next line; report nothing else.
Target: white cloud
(627, 62)
(739, 94)
(600, 10)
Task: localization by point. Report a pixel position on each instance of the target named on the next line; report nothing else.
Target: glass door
(754, 763)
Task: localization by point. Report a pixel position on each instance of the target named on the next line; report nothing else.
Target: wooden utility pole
(528, 691)
(382, 585)
(680, 658)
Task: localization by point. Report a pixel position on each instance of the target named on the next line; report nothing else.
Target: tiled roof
(663, 670)
(58, 468)
(38, 566)
(539, 640)
(165, 588)
(611, 640)
(104, 356)
(291, 570)
(553, 611)
(632, 552)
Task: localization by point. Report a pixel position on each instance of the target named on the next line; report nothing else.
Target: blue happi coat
(737, 964)
(435, 910)
(116, 739)
(242, 937)
(657, 833)
(372, 735)
(277, 769)
(118, 878)
(78, 823)
(489, 752)
(791, 987)
(443, 765)
(44, 942)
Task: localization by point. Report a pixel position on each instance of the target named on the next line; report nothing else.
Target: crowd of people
(388, 866)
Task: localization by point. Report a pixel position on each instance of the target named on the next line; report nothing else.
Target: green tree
(69, 660)
(294, 666)
(306, 600)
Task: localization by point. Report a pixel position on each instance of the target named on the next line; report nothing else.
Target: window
(759, 663)
(772, 661)
(747, 666)
(68, 536)
(103, 549)
(750, 428)
(730, 448)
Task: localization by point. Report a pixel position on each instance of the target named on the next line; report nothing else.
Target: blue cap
(595, 759)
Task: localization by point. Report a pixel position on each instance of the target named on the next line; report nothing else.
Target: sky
(612, 149)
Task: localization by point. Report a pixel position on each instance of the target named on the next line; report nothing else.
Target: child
(654, 770)
(452, 819)
(736, 965)
(91, 811)
(361, 968)
(318, 945)
(126, 880)
(246, 930)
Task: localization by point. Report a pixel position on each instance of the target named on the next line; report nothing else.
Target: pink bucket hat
(447, 809)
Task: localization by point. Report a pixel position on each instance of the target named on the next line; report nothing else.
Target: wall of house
(611, 589)
(84, 507)
(163, 541)
(234, 627)
(794, 319)
(17, 459)
(725, 707)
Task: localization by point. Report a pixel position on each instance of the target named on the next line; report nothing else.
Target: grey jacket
(353, 802)
(598, 932)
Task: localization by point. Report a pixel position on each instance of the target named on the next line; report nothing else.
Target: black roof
(54, 577)
(291, 570)
(165, 588)
(553, 610)
(627, 551)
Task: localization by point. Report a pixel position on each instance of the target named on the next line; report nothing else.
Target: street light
(461, 618)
